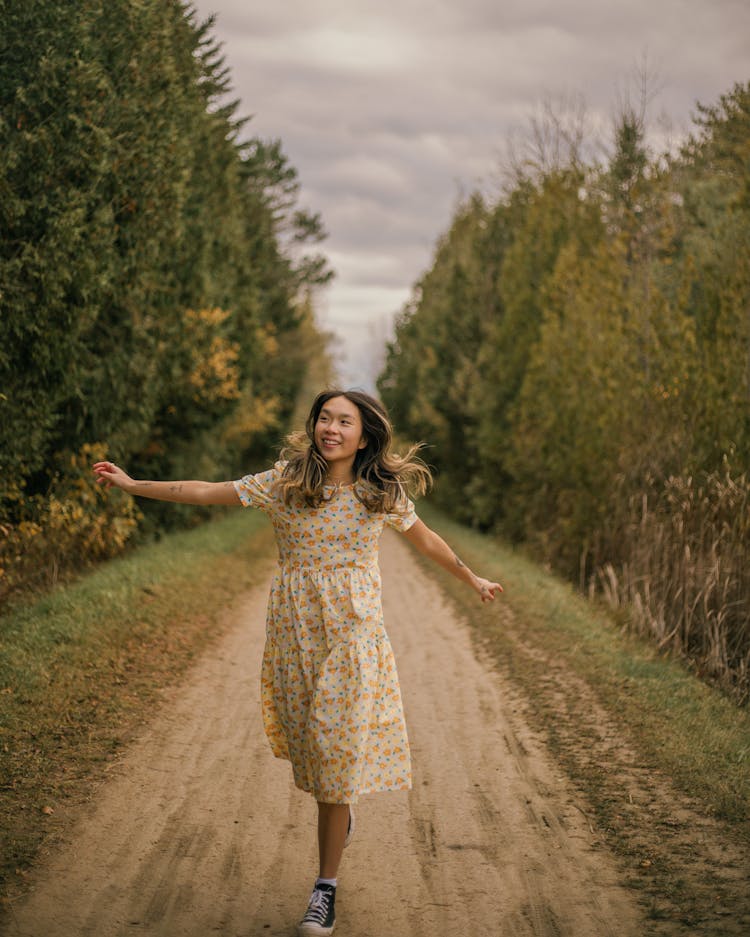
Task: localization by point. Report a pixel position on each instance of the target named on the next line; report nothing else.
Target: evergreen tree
(153, 266)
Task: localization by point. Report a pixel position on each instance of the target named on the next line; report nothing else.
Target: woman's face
(338, 431)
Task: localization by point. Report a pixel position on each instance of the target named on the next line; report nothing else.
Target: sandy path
(200, 830)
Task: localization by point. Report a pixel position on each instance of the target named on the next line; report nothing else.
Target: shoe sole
(313, 930)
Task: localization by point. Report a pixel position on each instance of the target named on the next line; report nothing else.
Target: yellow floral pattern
(329, 687)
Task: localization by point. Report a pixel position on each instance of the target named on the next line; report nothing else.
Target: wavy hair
(383, 480)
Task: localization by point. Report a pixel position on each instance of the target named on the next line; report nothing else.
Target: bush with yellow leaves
(77, 523)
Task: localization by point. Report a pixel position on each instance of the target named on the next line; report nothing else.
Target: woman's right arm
(183, 492)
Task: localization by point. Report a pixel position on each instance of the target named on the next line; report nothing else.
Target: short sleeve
(404, 518)
(257, 490)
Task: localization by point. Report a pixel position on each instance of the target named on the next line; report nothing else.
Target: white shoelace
(317, 910)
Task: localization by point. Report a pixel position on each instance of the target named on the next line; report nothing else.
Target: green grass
(687, 729)
(84, 665)
(660, 758)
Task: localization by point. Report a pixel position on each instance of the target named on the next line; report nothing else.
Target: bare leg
(333, 821)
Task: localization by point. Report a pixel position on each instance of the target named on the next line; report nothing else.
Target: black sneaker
(320, 917)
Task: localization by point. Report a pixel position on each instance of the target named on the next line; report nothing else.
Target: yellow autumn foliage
(267, 341)
(214, 375)
(255, 415)
(77, 523)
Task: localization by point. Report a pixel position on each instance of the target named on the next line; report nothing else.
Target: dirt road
(200, 831)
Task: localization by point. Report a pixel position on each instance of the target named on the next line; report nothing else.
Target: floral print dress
(329, 687)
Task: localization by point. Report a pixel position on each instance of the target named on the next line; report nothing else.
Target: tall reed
(684, 572)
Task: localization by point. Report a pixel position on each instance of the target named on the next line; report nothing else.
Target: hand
(487, 589)
(108, 474)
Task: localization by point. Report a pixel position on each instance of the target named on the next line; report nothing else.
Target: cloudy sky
(392, 110)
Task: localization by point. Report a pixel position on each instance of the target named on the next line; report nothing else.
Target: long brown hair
(383, 480)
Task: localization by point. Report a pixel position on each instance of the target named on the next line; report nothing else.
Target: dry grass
(659, 756)
(693, 732)
(686, 577)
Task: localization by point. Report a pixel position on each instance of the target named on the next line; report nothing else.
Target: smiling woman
(352, 438)
(330, 690)
(338, 434)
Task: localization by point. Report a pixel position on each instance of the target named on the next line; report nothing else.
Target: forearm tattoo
(458, 561)
(176, 488)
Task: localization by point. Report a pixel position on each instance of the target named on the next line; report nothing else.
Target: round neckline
(339, 485)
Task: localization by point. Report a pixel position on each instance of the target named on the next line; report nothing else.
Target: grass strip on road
(661, 757)
(83, 666)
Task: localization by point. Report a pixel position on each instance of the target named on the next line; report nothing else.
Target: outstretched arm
(183, 492)
(433, 546)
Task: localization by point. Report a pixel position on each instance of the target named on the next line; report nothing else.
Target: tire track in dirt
(200, 830)
(687, 865)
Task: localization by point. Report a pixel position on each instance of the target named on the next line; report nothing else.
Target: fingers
(105, 467)
(105, 473)
(487, 592)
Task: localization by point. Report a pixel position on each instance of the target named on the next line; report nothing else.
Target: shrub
(78, 522)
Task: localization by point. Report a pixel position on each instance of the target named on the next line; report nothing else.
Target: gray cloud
(389, 109)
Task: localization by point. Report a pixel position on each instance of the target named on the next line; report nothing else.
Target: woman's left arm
(433, 546)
